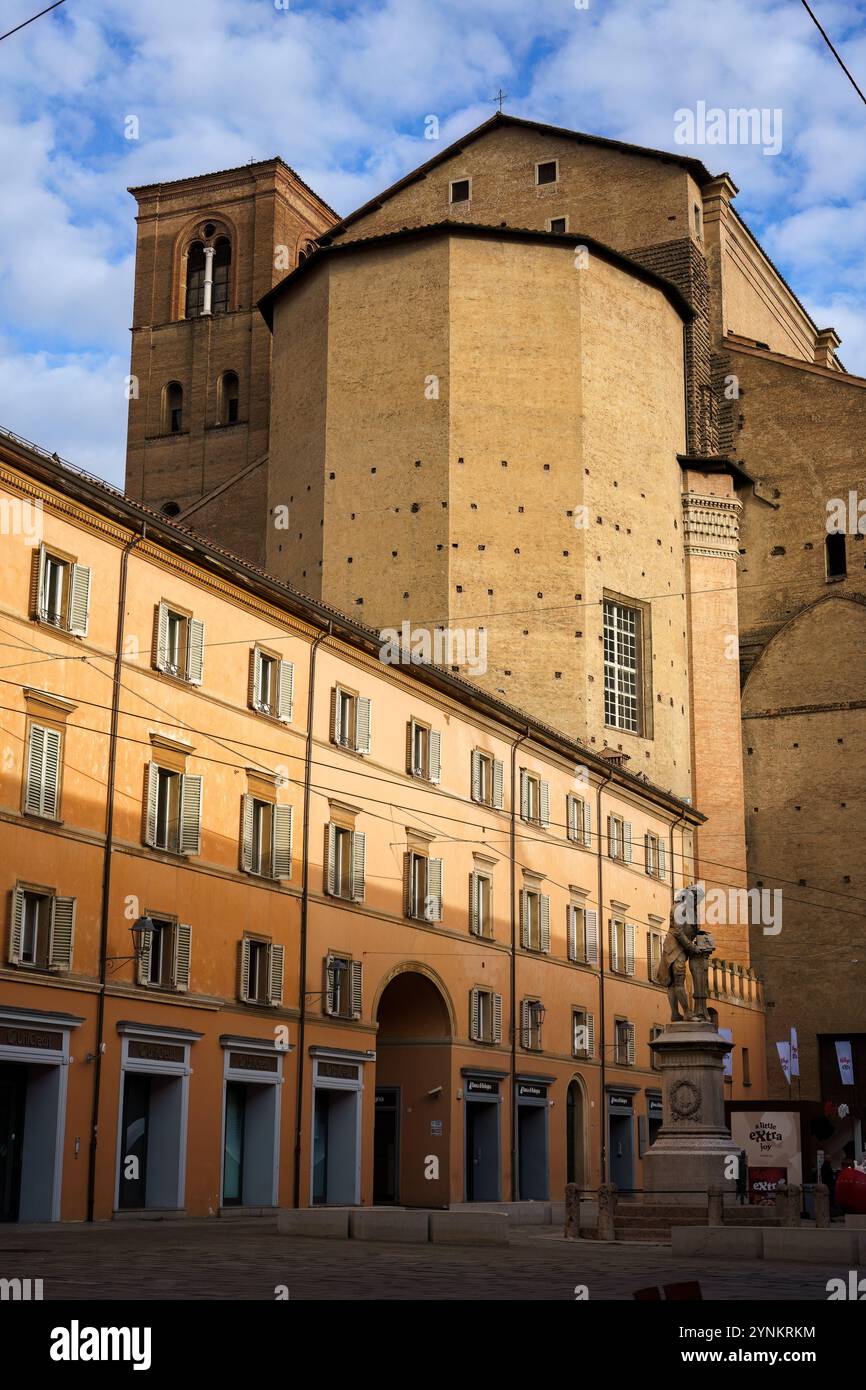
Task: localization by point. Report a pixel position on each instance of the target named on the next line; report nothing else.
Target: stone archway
(413, 1091)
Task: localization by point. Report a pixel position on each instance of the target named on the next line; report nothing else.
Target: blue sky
(341, 91)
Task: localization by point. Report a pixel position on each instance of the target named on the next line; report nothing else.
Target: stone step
(656, 1235)
(655, 1222)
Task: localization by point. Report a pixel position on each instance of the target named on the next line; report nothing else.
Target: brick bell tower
(207, 249)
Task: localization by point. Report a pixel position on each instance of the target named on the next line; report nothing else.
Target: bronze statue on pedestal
(686, 941)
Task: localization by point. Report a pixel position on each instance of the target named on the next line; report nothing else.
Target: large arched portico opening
(413, 1090)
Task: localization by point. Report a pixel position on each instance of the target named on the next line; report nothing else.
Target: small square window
(558, 225)
(547, 172)
(460, 189)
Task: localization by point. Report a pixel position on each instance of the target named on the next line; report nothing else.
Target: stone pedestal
(693, 1145)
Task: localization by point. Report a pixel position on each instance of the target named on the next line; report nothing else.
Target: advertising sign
(771, 1140)
(763, 1183)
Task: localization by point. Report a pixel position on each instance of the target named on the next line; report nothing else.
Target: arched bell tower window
(208, 272)
(172, 408)
(228, 391)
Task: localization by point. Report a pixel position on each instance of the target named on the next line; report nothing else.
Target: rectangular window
(480, 904)
(655, 856)
(350, 720)
(583, 1033)
(261, 973)
(61, 591)
(43, 772)
(534, 920)
(582, 934)
(487, 780)
(423, 887)
(266, 838)
(460, 190)
(699, 222)
(621, 946)
(547, 171)
(558, 224)
(423, 751)
(531, 1019)
(342, 995)
(42, 929)
(622, 667)
(534, 799)
(624, 1043)
(178, 644)
(345, 859)
(619, 839)
(271, 685)
(578, 817)
(165, 956)
(173, 810)
(485, 1015)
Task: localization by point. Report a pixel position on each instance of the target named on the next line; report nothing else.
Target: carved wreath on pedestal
(685, 1100)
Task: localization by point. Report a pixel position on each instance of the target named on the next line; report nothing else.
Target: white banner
(846, 1063)
(795, 1053)
(784, 1051)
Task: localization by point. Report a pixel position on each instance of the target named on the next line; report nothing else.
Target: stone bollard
(822, 1204)
(607, 1211)
(715, 1206)
(572, 1211)
(781, 1202)
(795, 1204)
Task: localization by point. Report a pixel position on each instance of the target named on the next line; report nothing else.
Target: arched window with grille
(195, 268)
(228, 391)
(172, 408)
(222, 262)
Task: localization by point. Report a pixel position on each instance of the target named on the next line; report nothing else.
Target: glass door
(233, 1164)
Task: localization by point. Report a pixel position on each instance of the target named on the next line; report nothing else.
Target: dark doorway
(13, 1092)
(133, 1148)
(482, 1151)
(233, 1158)
(621, 1152)
(532, 1152)
(575, 1135)
(386, 1138)
(335, 1151)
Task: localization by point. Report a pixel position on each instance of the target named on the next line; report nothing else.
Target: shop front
(154, 1110)
(532, 1107)
(252, 1086)
(482, 1107)
(338, 1087)
(620, 1136)
(34, 1070)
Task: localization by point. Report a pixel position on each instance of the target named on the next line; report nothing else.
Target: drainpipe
(514, 1022)
(602, 1051)
(674, 825)
(305, 899)
(106, 869)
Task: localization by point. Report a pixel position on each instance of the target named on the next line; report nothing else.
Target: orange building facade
(394, 940)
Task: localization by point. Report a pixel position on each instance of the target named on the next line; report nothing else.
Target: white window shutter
(524, 795)
(182, 951)
(525, 1026)
(42, 787)
(62, 933)
(590, 1035)
(571, 918)
(662, 866)
(254, 686)
(476, 776)
(433, 906)
(629, 948)
(497, 1018)
(247, 814)
(144, 958)
(282, 847)
(275, 984)
(545, 804)
(190, 814)
(285, 691)
(359, 846)
(544, 911)
(572, 807)
(330, 857)
(410, 747)
(79, 600)
(356, 970)
(614, 957)
(626, 835)
(408, 902)
(473, 1014)
(327, 987)
(590, 923)
(524, 918)
(195, 657)
(435, 755)
(16, 926)
(587, 823)
(244, 969)
(151, 790)
(474, 914)
(160, 637)
(630, 1045)
(38, 607)
(611, 837)
(362, 725)
(498, 783)
(335, 714)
